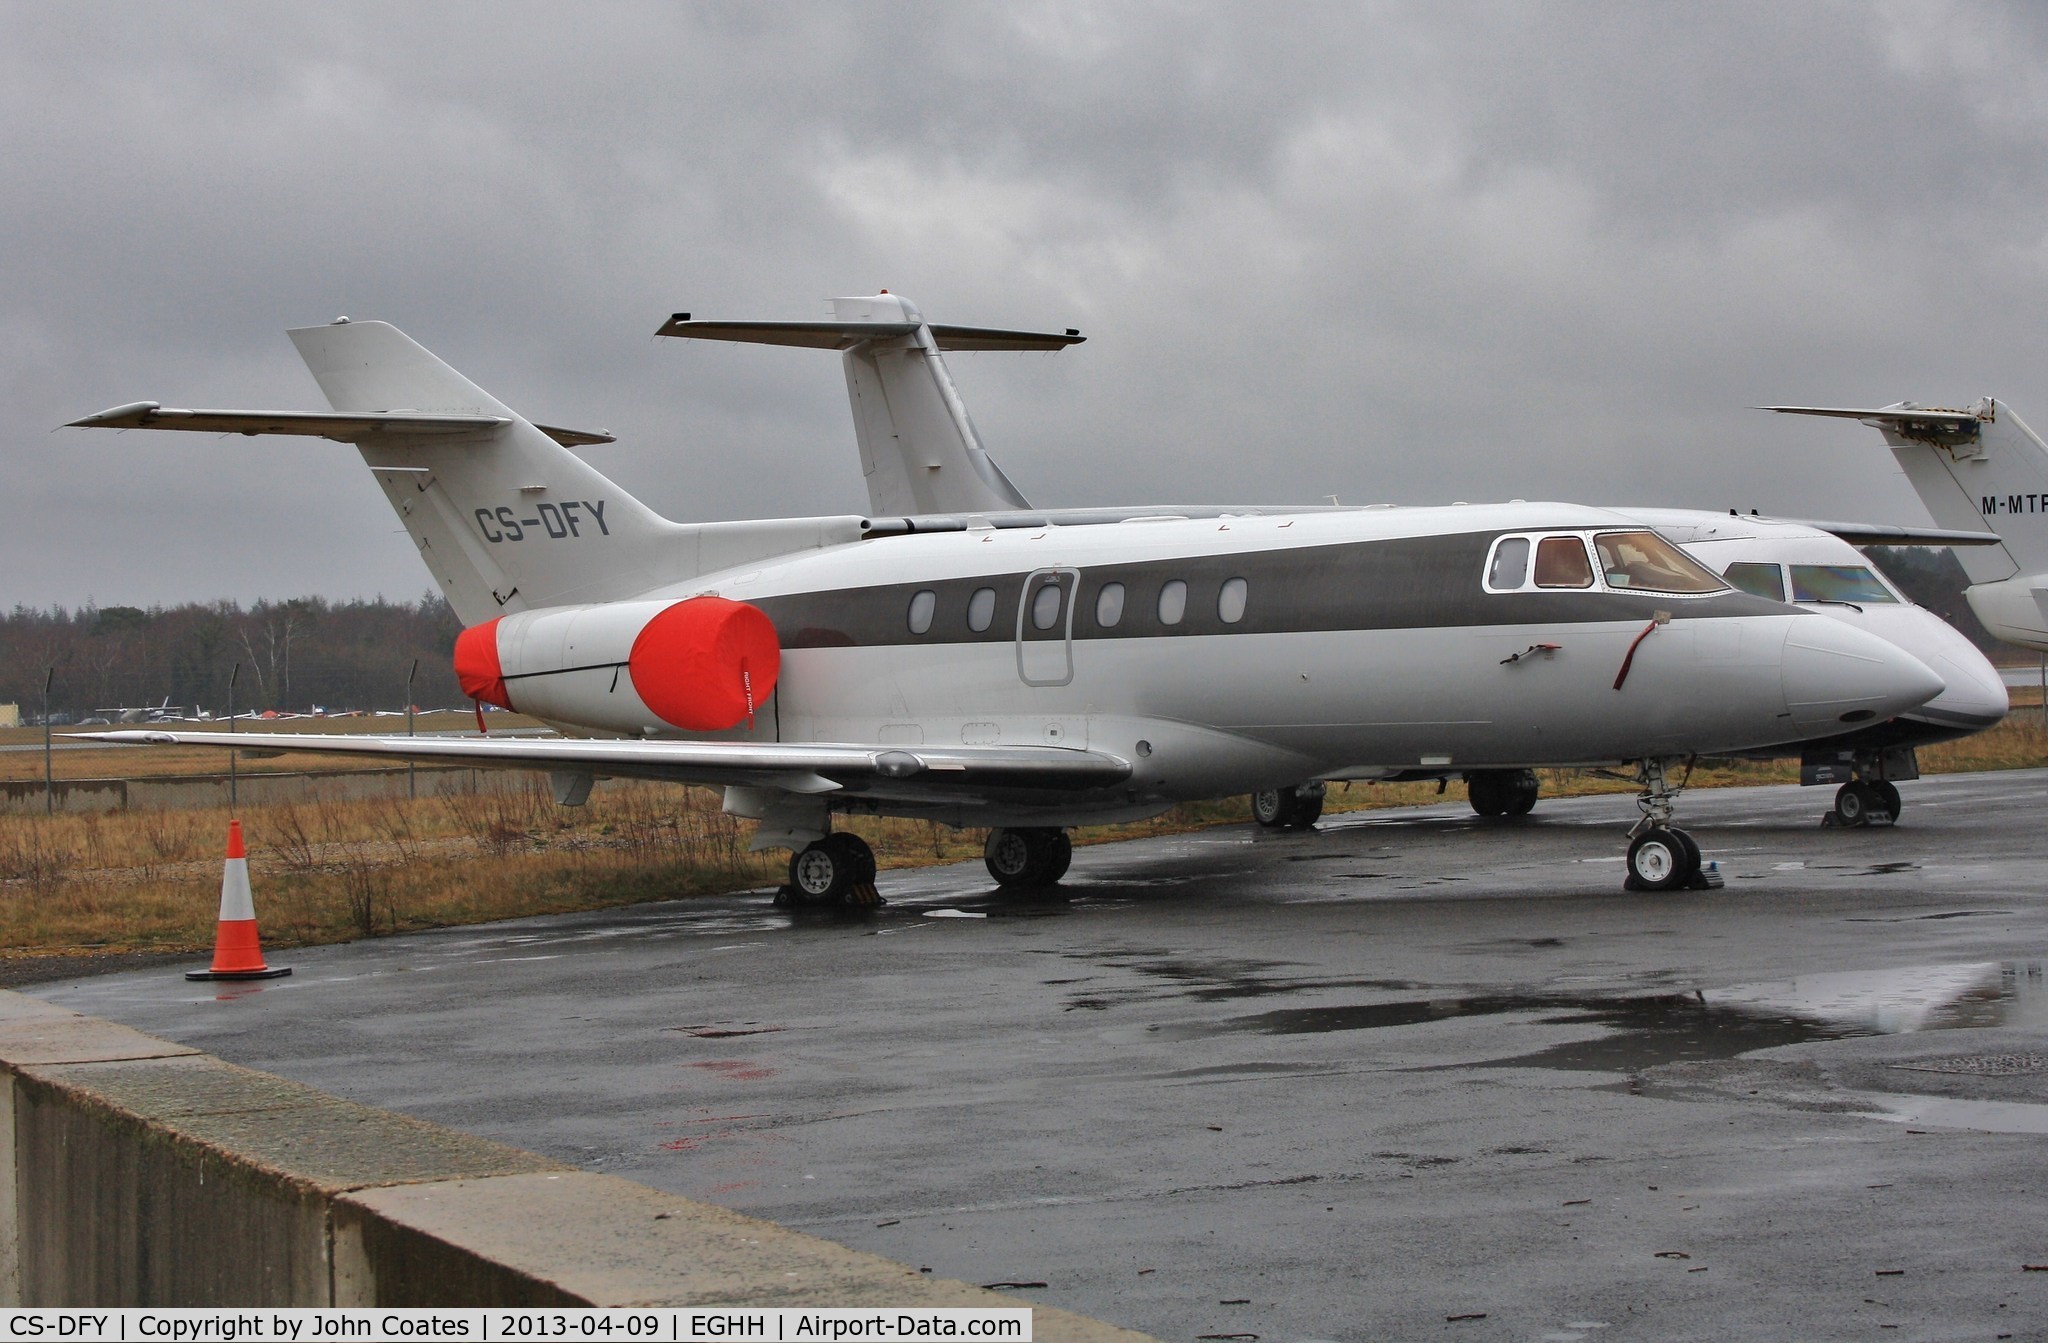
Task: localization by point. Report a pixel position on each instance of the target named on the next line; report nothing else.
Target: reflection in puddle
(1647, 1031)
(1946, 1112)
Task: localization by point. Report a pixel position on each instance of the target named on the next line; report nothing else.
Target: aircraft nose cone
(1976, 698)
(1835, 677)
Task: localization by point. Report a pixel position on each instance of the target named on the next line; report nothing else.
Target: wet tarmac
(1413, 1075)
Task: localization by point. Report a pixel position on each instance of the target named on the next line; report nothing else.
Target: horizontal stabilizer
(931, 771)
(1879, 534)
(1882, 415)
(846, 335)
(341, 426)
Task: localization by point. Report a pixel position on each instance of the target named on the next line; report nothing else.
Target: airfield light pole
(233, 798)
(411, 782)
(49, 760)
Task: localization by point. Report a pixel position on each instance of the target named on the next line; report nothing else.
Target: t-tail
(504, 515)
(919, 448)
(1978, 468)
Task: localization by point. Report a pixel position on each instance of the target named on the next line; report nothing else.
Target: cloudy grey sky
(1409, 253)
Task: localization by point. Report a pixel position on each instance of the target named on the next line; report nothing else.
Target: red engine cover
(477, 669)
(705, 664)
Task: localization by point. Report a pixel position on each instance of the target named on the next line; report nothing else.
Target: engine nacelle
(703, 664)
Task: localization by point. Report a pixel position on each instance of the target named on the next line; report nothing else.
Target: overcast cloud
(1408, 253)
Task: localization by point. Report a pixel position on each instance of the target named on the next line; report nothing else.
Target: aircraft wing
(341, 426)
(797, 768)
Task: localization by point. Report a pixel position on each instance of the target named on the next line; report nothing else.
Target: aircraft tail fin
(1977, 468)
(504, 515)
(919, 449)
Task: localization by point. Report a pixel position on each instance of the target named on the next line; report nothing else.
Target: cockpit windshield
(1646, 562)
(1851, 583)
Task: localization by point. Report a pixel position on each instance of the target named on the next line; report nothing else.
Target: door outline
(1069, 581)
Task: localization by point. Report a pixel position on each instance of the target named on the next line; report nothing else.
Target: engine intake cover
(705, 664)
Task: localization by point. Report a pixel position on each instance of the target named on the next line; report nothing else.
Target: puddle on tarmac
(1647, 1030)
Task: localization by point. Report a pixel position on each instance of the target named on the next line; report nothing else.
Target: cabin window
(1045, 606)
(1838, 583)
(1230, 602)
(1109, 605)
(981, 609)
(921, 607)
(1646, 562)
(1173, 602)
(1561, 563)
(1757, 579)
(1510, 567)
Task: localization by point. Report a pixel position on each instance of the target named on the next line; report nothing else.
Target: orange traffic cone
(237, 954)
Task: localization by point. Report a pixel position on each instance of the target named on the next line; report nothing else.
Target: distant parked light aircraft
(1029, 671)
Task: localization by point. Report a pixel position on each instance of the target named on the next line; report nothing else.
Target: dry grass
(331, 870)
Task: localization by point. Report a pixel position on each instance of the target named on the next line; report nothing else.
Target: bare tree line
(293, 654)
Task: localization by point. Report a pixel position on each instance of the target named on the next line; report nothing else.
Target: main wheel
(1888, 796)
(1026, 856)
(1273, 808)
(1288, 808)
(860, 859)
(1661, 860)
(1059, 856)
(1483, 790)
(1854, 801)
(822, 872)
(1522, 791)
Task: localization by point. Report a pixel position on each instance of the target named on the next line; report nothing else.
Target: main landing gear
(1661, 857)
(1028, 855)
(838, 869)
(1503, 792)
(1288, 808)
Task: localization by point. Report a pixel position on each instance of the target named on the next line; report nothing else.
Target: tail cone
(237, 951)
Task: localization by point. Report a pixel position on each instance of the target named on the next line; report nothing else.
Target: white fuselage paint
(1205, 715)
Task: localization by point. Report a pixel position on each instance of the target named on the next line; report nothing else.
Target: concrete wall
(211, 790)
(135, 1171)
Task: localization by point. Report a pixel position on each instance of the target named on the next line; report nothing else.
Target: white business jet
(922, 456)
(1032, 672)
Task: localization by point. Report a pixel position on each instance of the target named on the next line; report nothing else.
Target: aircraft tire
(1059, 856)
(860, 859)
(820, 873)
(1273, 808)
(1021, 856)
(1308, 809)
(1522, 791)
(1662, 860)
(1888, 796)
(1484, 791)
(1854, 801)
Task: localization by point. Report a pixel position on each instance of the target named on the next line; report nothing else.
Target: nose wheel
(1863, 802)
(1661, 857)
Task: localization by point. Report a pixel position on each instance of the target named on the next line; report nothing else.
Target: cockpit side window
(1838, 583)
(1510, 567)
(1646, 562)
(1757, 579)
(1561, 563)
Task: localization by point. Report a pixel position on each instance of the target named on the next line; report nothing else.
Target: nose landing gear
(1661, 857)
